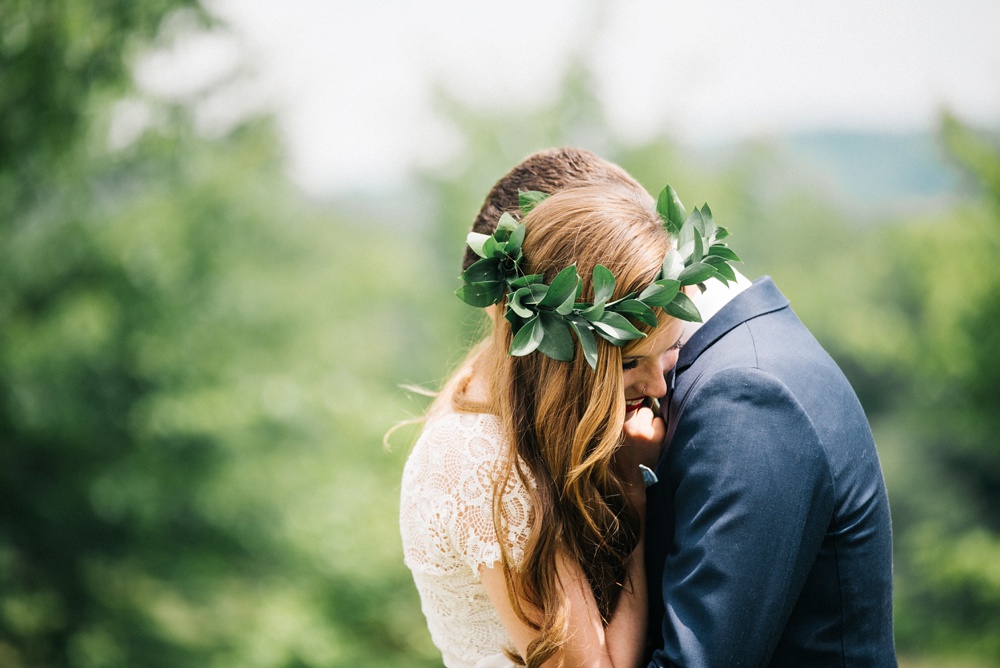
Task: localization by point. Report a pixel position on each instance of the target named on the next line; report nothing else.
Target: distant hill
(879, 169)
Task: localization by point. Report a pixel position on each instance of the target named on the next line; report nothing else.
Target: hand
(644, 434)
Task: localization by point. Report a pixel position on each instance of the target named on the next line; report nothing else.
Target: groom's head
(546, 171)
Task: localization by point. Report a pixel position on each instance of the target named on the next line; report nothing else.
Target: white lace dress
(446, 520)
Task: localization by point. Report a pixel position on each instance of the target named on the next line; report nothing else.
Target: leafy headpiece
(541, 316)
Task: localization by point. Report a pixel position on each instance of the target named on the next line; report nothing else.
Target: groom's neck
(717, 294)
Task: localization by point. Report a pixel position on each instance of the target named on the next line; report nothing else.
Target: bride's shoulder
(457, 459)
(456, 433)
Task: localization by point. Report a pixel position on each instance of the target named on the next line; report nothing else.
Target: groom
(768, 535)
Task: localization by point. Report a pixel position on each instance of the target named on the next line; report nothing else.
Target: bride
(523, 500)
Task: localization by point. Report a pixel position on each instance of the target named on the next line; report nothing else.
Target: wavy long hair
(563, 420)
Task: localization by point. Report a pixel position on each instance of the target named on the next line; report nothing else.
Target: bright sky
(351, 80)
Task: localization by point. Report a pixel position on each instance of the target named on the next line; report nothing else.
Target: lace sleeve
(447, 513)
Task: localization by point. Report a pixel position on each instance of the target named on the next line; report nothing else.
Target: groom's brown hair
(546, 171)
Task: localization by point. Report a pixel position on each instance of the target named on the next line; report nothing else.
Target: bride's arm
(626, 633)
(589, 644)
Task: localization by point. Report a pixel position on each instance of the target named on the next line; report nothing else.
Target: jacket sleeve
(750, 493)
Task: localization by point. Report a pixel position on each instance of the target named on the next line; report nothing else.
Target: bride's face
(646, 364)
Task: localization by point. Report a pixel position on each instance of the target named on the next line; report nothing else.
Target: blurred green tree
(941, 283)
(190, 469)
(57, 57)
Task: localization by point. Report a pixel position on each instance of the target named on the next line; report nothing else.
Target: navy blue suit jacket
(768, 538)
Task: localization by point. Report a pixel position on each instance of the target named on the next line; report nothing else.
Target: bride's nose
(655, 383)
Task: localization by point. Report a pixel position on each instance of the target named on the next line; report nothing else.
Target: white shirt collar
(717, 294)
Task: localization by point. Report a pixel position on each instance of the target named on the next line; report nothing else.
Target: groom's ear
(546, 171)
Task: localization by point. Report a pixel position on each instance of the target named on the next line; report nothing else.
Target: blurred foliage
(197, 364)
(190, 437)
(180, 383)
(56, 57)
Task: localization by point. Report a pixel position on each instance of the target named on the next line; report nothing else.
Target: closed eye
(633, 362)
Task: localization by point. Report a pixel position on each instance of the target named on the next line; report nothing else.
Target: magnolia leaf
(725, 273)
(516, 302)
(706, 213)
(660, 293)
(484, 270)
(556, 342)
(685, 240)
(686, 250)
(631, 295)
(683, 308)
(593, 312)
(481, 294)
(537, 293)
(673, 264)
(696, 221)
(696, 273)
(723, 251)
(587, 341)
(562, 292)
(638, 310)
(604, 284)
(527, 338)
(669, 206)
(524, 281)
(699, 249)
(616, 328)
(529, 199)
(708, 222)
(567, 306)
(492, 247)
(516, 321)
(475, 240)
(514, 241)
(506, 223)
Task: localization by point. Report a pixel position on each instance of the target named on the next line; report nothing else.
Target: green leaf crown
(542, 316)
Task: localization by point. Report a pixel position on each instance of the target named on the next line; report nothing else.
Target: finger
(643, 426)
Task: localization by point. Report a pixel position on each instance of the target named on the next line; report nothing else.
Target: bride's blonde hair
(563, 420)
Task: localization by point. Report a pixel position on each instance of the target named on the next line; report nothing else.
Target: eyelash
(631, 364)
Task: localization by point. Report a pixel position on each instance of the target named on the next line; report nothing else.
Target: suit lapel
(760, 298)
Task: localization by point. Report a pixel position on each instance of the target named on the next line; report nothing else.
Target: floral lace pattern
(446, 521)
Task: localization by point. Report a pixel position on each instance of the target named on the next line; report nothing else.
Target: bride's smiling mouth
(634, 404)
